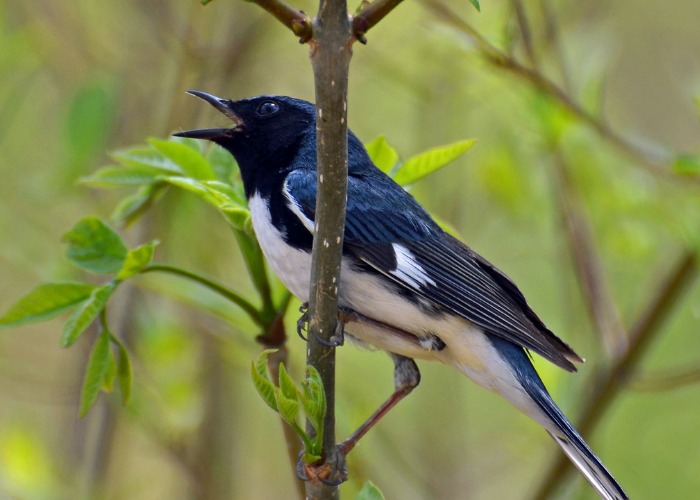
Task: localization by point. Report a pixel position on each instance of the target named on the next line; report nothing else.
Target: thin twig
(609, 383)
(225, 292)
(654, 162)
(551, 29)
(666, 381)
(586, 261)
(370, 15)
(525, 32)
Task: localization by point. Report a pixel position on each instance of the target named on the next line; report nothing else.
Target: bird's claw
(337, 339)
(303, 321)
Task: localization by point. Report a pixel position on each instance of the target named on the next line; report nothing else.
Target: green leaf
(429, 161)
(95, 246)
(136, 260)
(225, 193)
(223, 163)
(287, 386)
(119, 176)
(261, 381)
(146, 157)
(382, 154)
(196, 145)
(288, 408)
(369, 492)
(123, 370)
(313, 399)
(95, 373)
(111, 375)
(236, 216)
(46, 301)
(191, 185)
(135, 205)
(475, 3)
(85, 314)
(687, 164)
(190, 161)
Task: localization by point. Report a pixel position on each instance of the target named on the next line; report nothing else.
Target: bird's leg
(406, 378)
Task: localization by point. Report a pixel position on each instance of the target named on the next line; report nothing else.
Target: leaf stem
(225, 292)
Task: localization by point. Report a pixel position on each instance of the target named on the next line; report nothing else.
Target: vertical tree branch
(330, 58)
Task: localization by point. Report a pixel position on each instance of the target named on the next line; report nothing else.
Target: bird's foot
(336, 340)
(338, 337)
(303, 321)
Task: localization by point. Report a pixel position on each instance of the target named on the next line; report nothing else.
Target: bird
(406, 286)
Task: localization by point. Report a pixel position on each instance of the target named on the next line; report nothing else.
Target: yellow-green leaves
(369, 492)
(103, 370)
(188, 160)
(84, 315)
(95, 373)
(178, 162)
(424, 164)
(415, 168)
(382, 154)
(46, 301)
(287, 399)
(95, 247)
(136, 260)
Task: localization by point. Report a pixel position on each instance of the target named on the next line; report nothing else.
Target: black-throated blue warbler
(407, 287)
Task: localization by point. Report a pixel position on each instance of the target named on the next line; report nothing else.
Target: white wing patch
(294, 207)
(408, 270)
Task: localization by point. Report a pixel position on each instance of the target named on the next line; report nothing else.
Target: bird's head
(267, 132)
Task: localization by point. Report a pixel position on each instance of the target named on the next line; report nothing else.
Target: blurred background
(575, 210)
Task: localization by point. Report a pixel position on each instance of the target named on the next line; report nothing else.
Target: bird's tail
(527, 392)
(583, 457)
(571, 441)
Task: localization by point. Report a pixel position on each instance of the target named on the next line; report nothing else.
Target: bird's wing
(388, 230)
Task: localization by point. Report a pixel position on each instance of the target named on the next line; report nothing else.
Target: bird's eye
(268, 108)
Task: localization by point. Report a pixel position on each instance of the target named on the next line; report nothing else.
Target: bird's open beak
(212, 133)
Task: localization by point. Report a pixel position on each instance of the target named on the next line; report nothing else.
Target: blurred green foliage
(79, 79)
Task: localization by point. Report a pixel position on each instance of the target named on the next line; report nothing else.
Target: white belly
(467, 348)
(366, 294)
